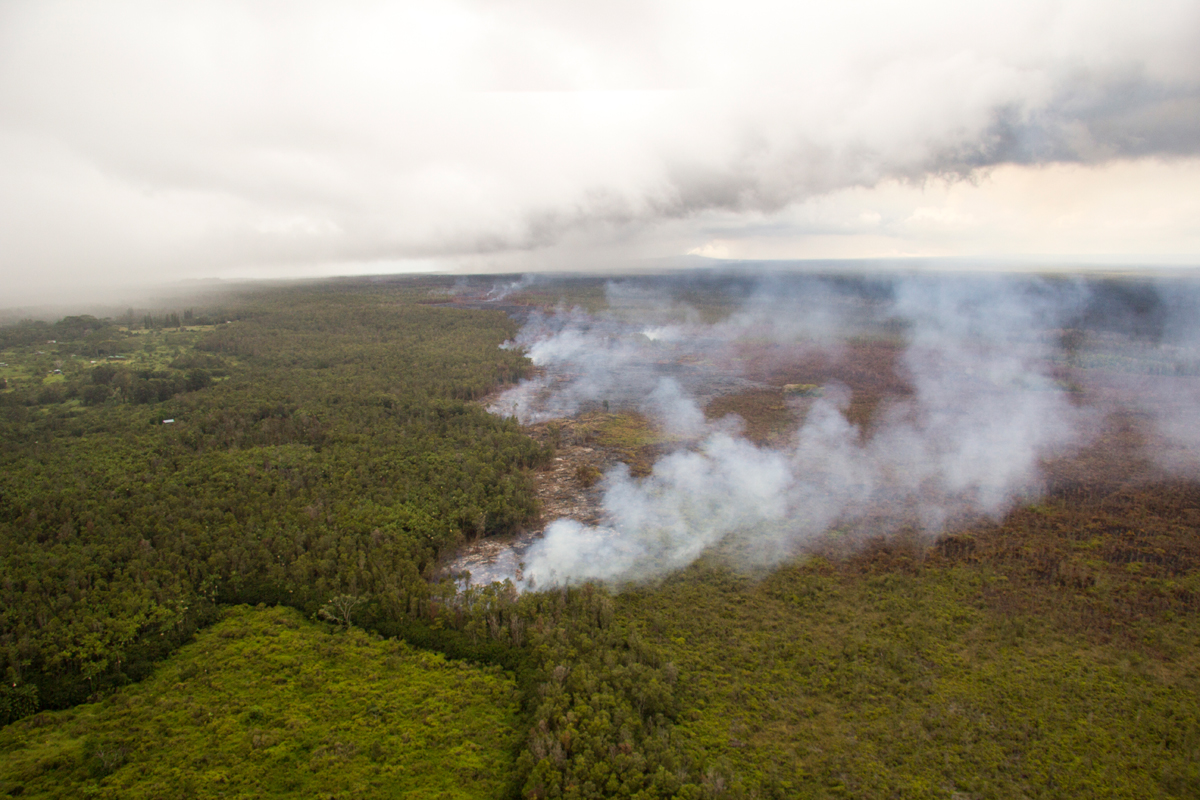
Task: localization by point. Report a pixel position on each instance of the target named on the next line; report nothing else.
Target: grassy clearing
(766, 413)
(627, 430)
(630, 436)
(637, 442)
(267, 704)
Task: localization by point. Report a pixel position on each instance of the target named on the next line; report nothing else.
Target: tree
(338, 609)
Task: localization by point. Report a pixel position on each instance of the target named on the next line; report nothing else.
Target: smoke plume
(984, 410)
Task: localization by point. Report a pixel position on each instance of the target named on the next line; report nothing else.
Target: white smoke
(502, 290)
(636, 357)
(1142, 356)
(984, 411)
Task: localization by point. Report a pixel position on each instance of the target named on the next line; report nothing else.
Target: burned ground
(1109, 507)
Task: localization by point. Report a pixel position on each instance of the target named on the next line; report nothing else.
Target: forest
(224, 537)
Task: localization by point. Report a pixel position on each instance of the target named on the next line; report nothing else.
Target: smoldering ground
(987, 403)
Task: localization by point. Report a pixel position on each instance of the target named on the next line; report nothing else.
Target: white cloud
(180, 139)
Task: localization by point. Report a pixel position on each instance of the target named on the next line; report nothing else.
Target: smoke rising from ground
(1142, 353)
(985, 408)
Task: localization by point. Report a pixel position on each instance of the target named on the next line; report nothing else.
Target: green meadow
(268, 704)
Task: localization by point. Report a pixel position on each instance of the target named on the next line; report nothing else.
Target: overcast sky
(151, 141)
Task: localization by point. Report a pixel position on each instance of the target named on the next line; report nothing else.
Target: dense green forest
(326, 447)
(321, 444)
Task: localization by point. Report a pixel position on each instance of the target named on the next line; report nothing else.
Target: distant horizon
(112, 300)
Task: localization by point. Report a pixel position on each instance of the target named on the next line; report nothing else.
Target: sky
(146, 142)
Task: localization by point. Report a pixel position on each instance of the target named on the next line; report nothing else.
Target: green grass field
(268, 704)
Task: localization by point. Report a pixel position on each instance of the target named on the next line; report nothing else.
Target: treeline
(82, 335)
(172, 319)
(85, 334)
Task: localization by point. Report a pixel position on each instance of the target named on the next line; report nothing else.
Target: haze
(148, 143)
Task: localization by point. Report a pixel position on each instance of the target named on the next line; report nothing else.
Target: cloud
(208, 138)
